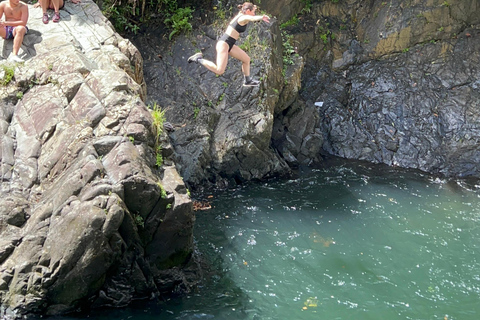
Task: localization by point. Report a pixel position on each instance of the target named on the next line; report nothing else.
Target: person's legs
(3, 32)
(57, 5)
(222, 59)
(241, 55)
(18, 35)
(45, 4)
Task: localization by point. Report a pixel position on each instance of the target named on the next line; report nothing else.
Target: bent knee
(20, 30)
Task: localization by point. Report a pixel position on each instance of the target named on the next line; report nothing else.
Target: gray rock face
(404, 92)
(397, 84)
(414, 110)
(222, 130)
(85, 214)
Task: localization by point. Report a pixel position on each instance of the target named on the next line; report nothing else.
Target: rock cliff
(396, 81)
(86, 216)
(399, 83)
(83, 203)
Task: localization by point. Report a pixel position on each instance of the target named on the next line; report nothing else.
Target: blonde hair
(246, 6)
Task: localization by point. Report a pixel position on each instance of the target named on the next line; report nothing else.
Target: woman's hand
(266, 18)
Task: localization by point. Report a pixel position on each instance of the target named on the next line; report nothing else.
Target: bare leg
(241, 55)
(44, 4)
(56, 4)
(18, 34)
(222, 59)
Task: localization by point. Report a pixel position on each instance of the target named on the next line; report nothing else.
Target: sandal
(45, 18)
(56, 17)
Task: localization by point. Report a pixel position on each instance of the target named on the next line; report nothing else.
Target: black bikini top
(238, 27)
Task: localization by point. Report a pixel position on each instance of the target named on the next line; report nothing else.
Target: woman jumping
(226, 44)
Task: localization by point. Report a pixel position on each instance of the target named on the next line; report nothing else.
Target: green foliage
(158, 157)
(129, 15)
(163, 192)
(158, 116)
(288, 52)
(8, 74)
(247, 44)
(138, 220)
(179, 21)
(288, 48)
(308, 6)
(120, 15)
(168, 5)
(292, 22)
(324, 38)
(326, 35)
(220, 12)
(196, 111)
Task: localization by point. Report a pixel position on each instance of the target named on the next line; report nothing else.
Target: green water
(347, 242)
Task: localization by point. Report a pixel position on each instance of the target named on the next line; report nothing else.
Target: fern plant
(179, 21)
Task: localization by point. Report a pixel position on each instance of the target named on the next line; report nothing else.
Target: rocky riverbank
(87, 217)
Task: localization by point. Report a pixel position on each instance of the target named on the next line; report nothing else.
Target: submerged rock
(86, 216)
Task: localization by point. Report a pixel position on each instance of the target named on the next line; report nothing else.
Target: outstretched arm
(247, 18)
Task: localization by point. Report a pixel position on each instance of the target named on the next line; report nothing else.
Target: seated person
(14, 26)
(55, 5)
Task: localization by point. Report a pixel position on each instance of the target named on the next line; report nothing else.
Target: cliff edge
(87, 215)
